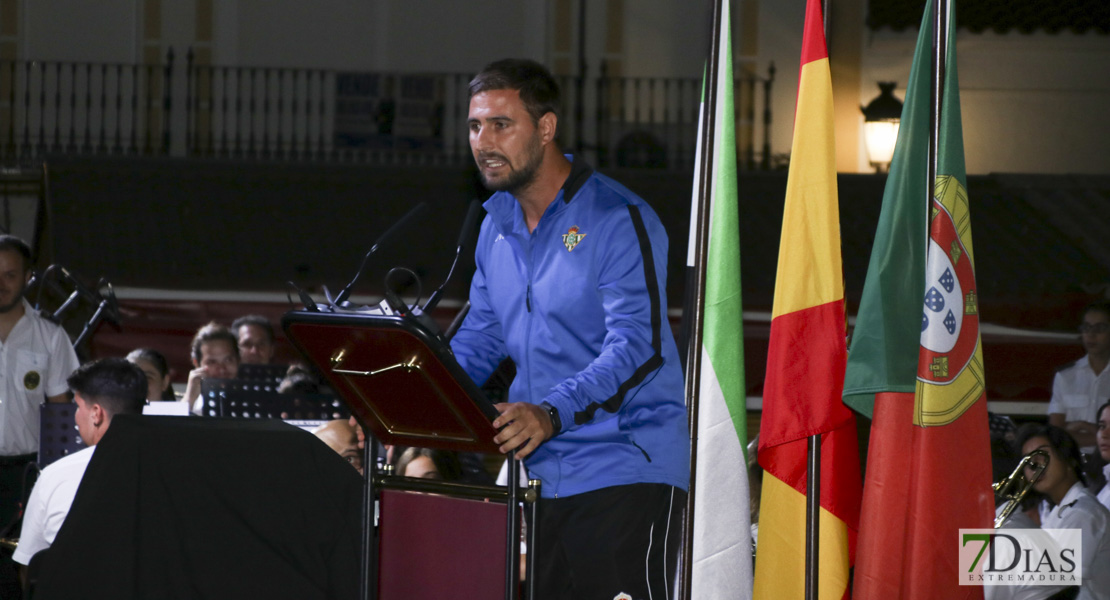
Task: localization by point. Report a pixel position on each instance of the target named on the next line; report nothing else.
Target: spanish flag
(916, 363)
(805, 363)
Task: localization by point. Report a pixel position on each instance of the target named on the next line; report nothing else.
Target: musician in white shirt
(1070, 505)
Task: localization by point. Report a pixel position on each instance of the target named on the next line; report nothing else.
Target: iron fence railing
(54, 107)
(186, 109)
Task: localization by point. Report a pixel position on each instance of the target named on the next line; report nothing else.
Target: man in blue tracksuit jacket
(570, 284)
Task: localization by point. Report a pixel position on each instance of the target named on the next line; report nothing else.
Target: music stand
(244, 399)
(272, 374)
(58, 434)
(404, 385)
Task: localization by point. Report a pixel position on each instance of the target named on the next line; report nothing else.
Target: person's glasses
(1094, 327)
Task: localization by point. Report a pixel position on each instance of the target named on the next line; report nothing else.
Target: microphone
(306, 300)
(389, 233)
(465, 236)
(459, 318)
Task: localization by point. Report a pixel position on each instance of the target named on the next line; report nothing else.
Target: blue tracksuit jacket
(579, 305)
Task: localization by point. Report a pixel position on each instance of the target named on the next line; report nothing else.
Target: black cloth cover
(174, 507)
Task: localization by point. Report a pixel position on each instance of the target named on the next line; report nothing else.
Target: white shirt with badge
(35, 361)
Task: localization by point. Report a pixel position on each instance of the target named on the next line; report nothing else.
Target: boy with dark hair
(102, 389)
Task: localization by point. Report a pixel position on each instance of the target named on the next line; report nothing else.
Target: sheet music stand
(58, 434)
(244, 399)
(269, 374)
(405, 387)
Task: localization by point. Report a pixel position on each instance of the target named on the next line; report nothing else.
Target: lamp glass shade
(881, 136)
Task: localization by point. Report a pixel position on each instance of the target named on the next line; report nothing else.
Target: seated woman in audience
(1102, 438)
(153, 364)
(1069, 504)
(426, 463)
(1004, 459)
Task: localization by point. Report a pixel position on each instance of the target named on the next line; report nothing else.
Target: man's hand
(1082, 431)
(526, 426)
(192, 388)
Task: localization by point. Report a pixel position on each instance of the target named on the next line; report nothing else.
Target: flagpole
(813, 462)
(936, 96)
(695, 304)
(813, 516)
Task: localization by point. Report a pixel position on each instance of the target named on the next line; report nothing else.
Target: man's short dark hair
(538, 90)
(213, 332)
(1102, 306)
(10, 243)
(117, 385)
(256, 320)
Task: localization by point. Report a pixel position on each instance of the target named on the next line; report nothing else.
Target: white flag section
(722, 550)
(722, 553)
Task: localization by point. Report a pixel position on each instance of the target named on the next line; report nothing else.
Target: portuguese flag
(916, 364)
(806, 358)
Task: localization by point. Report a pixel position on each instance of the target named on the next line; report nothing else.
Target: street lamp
(880, 126)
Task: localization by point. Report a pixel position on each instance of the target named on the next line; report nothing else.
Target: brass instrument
(1016, 486)
(9, 543)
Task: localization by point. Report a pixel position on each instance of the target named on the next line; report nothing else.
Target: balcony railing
(185, 109)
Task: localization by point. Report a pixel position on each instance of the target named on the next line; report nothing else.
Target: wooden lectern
(430, 539)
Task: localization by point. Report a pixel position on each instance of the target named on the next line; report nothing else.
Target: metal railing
(53, 107)
(186, 109)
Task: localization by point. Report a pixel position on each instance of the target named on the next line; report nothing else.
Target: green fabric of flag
(721, 558)
(883, 354)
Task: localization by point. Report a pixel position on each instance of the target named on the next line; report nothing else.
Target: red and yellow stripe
(806, 361)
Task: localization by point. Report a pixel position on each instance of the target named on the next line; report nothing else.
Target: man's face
(155, 382)
(1056, 476)
(218, 360)
(507, 145)
(13, 280)
(83, 417)
(255, 347)
(341, 437)
(1095, 331)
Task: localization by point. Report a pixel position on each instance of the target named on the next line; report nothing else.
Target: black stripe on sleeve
(613, 403)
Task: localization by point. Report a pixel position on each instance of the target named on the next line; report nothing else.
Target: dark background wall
(218, 225)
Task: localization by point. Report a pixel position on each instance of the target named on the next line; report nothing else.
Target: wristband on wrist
(553, 414)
